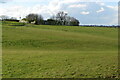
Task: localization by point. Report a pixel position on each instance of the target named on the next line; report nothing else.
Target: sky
(96, 12)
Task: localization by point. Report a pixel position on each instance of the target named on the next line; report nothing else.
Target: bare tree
(60, 17)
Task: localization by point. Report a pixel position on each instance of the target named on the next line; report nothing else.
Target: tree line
(61, 18)
(6, 18)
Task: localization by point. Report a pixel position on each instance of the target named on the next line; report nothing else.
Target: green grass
(12, 23)
(43, 51)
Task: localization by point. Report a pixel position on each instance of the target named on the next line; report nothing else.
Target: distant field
(44, 51)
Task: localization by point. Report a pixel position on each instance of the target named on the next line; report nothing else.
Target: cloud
(101, 10)
(14, 11)
(21, 11)
(85, 12)
(101, 3)
(5, 1)
(70, 1)
(78, 6)
(113, 7)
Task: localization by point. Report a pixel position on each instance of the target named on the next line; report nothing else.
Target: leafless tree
(61, 17)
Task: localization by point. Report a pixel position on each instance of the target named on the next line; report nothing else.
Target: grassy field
(43, 51)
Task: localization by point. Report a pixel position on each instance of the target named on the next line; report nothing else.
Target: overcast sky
(86, 11)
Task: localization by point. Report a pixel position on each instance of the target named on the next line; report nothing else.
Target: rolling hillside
(43, 51)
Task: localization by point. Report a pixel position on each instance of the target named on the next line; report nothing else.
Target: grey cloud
(4, 1)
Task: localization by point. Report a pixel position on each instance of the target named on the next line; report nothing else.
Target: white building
(23, 21)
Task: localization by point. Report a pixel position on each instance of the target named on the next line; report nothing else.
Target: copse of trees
(34, 17)
(31, 17)
(60, 18)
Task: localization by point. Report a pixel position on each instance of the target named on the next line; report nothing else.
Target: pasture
(44, 51)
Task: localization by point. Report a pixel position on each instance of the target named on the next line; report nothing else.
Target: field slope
(43, 51)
